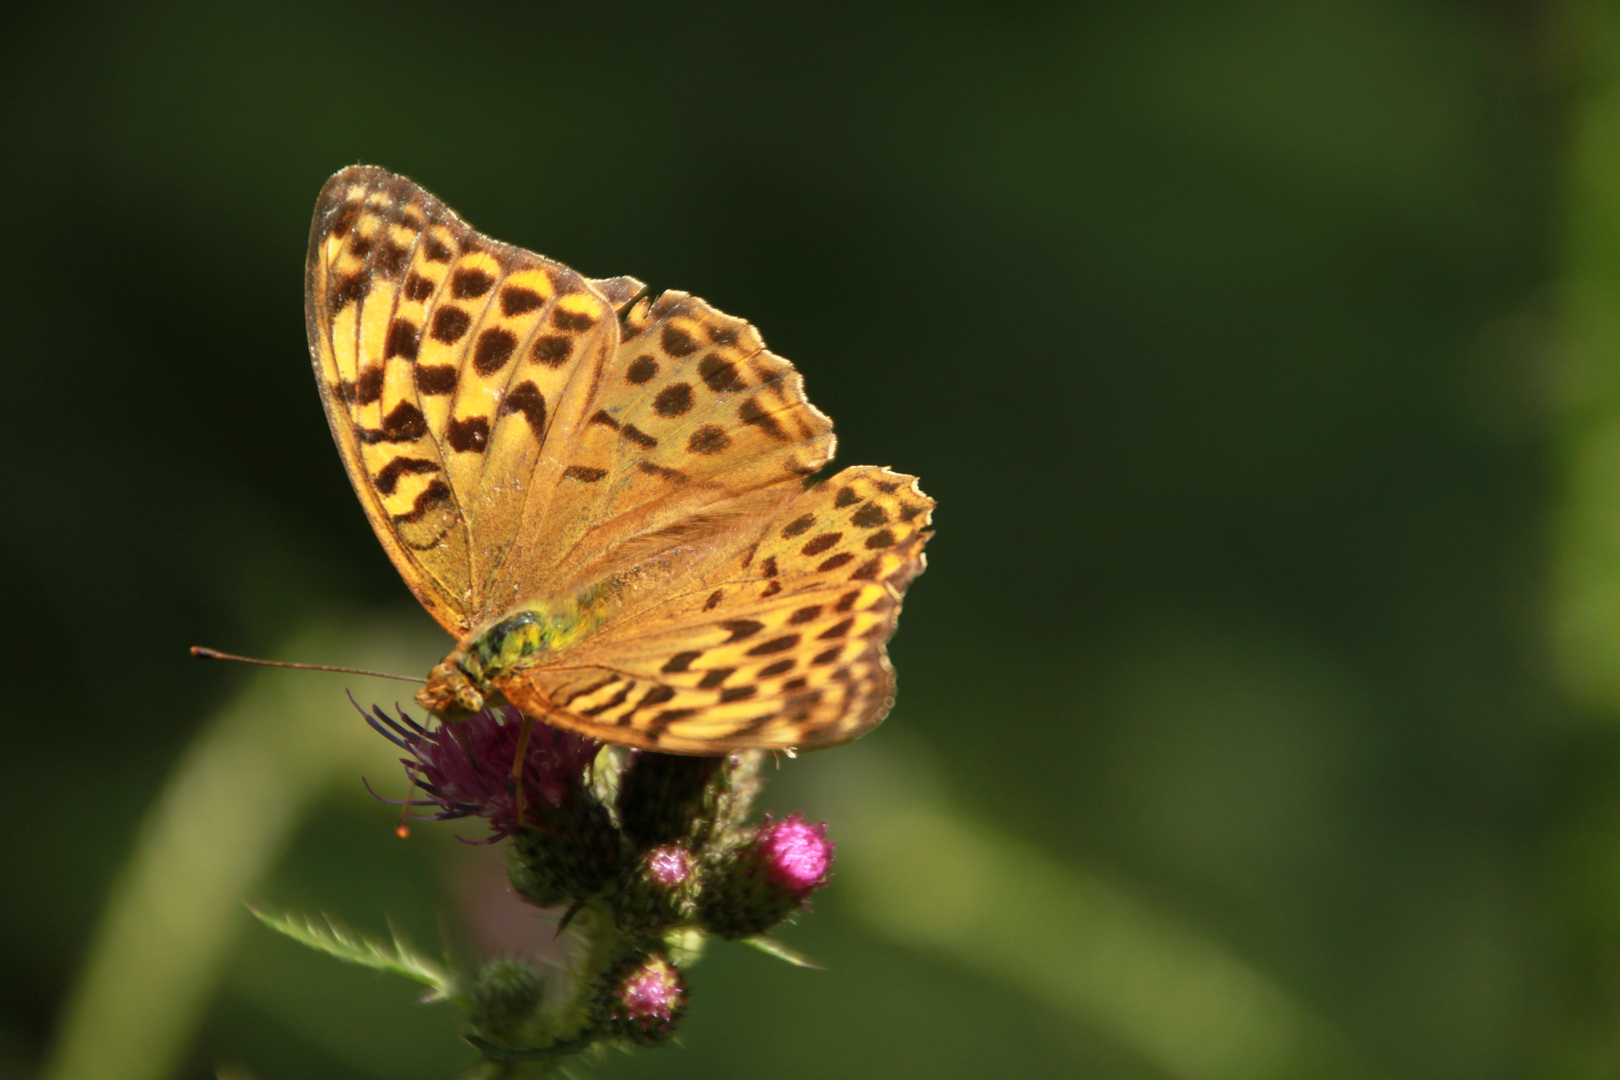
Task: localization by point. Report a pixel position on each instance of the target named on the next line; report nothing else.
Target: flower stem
(568, 1027)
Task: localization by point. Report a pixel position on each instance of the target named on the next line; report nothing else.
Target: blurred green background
(1258, 711)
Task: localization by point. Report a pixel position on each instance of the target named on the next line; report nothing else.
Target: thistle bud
(643, 999)
(662, 795)
(768, 878)
(569, 854)
(657, 892)
(506, 993)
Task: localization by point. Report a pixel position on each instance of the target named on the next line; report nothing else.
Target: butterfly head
(450, 694)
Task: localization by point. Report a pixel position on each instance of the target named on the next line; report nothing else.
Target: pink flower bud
(796, 854)
(644, 1000)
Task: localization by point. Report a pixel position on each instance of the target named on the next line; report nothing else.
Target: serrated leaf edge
(338, 941)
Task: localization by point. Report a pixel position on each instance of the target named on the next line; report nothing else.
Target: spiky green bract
(771, 947)
(568, 852)
(729, 799)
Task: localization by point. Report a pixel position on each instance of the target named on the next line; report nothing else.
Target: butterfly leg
(517, 766)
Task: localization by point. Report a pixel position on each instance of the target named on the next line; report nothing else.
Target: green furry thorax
(529, 634)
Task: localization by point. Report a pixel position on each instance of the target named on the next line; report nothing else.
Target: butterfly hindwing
(693, 427)
(779, 646)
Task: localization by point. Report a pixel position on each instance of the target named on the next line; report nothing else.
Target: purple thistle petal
(466, 768)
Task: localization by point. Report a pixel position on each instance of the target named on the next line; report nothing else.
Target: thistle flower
(768, 878)
(466, 768)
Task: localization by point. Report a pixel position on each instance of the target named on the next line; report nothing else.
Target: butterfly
(605, 498)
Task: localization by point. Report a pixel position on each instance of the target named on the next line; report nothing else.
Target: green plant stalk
(567, 1027)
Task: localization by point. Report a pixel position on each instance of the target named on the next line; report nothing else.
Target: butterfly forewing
(446, 360)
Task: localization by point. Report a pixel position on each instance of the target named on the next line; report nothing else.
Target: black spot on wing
(611, 703)
(641, 369)
(677, 342)
(450, 325)
(675, 400)
(739, 629)
(403, 337)
(389, 260)
(821, 543)
(468, 435)
(435, 380)
(551, 350)
(681, 661)
(469, 283)
(708, 440)
(870, 516)
(837, 630)
(388, 479)
(368, 387)
(639, 437)
(775, 645)
(493, 350)
(799, 525)
(574, 321)
(718, 375)
(426, 500)
(418, 288)
(348, 290)
(516, 300)
(405, 423)
(751, 412)
(527, 399)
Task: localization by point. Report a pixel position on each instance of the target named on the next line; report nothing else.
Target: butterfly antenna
(214, 654)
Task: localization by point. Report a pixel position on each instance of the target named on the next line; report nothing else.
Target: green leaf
(771, 947)
(343, 943)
